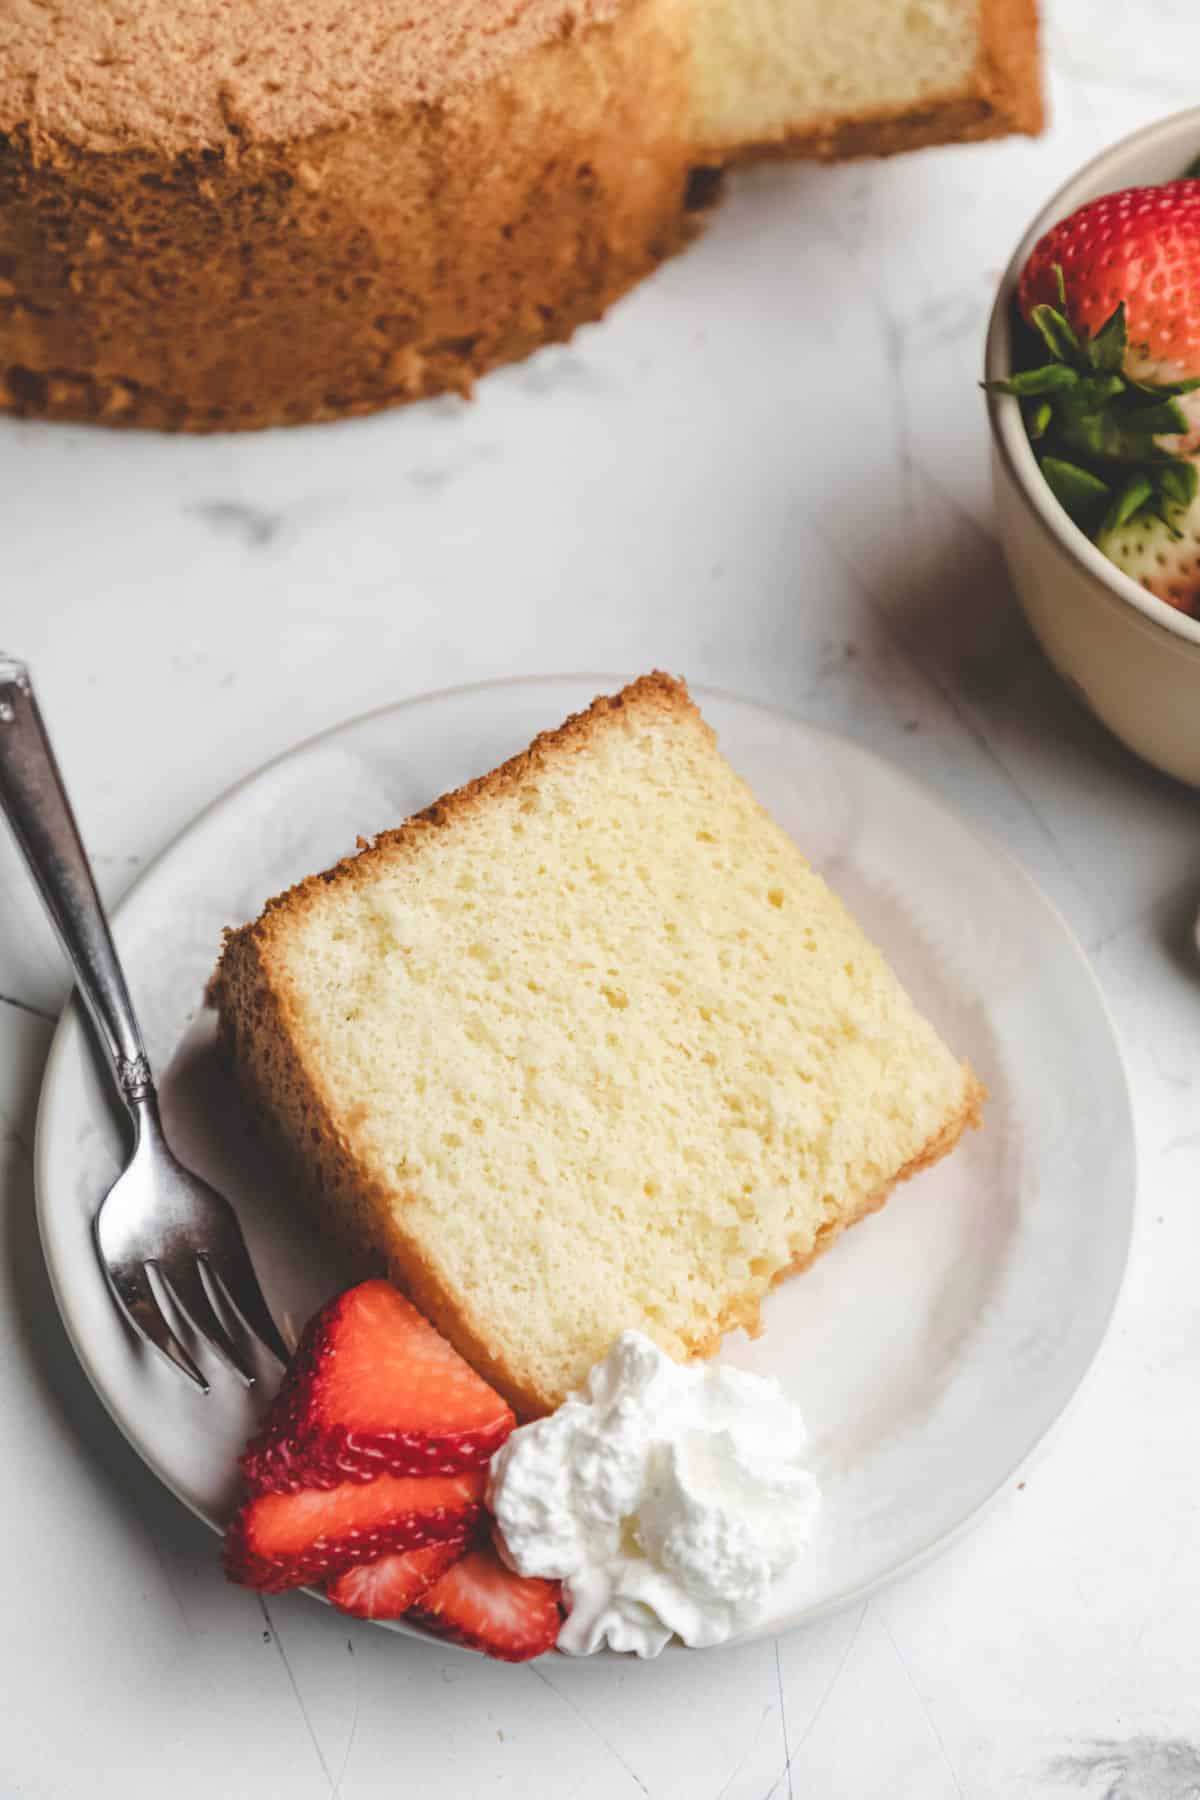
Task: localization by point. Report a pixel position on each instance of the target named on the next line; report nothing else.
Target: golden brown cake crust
(181, 75)
(255, 281)
(207, 225)
(654, 693)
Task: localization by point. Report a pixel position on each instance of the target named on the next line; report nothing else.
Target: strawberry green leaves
(1081, 493)
(1038, 420)
(1108, 347)
(1051, 378)
(1179, 482)
(1132, 498)
(1057, 334)
(1096, 431)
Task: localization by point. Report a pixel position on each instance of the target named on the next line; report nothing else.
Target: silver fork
(159, 1226)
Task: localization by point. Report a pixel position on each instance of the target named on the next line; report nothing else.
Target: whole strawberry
(1112, 299)
(1140, 250)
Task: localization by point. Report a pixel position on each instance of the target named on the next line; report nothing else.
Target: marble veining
(253, 526)
(1141, 1767)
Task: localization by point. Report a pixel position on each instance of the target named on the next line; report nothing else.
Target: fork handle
(35, 804)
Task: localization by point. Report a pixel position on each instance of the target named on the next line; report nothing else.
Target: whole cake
(227, 213)
(587, 1046)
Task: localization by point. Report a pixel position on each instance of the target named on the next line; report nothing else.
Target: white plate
(935, 1344)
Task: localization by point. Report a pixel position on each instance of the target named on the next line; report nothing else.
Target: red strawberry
(281, 1541)
(480, 1603)
(1113, 294)
(1139, 249)
(386, 1588)
(374, 1389)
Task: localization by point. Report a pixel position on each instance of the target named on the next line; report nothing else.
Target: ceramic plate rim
(72, 1020)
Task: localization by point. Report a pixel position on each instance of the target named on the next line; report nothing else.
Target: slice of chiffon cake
(586, 1045)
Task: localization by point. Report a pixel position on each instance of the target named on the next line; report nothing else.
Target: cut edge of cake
(287, 1097)
(748, 1316)
(1000, 94)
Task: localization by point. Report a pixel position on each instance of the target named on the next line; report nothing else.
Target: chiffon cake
(218, 214)
(586, 1045)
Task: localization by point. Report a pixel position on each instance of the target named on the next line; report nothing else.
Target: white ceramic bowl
(1133, 659)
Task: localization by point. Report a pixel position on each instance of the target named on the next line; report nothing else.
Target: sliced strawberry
(374, 1389)
(386, 1588)
(480, 1603)
(280, 1541)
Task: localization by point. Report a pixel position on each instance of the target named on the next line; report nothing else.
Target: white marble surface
(767, 470)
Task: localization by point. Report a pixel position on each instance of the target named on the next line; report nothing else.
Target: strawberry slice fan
(369, 1474)
(373, 1389)
(1110, 302)
(279, 1541)
(483, 1605)
(388, 1587)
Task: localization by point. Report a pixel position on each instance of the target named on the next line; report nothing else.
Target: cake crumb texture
(588, 1045)
(801, 77)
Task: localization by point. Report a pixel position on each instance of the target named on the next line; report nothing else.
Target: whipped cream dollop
(667, 1499)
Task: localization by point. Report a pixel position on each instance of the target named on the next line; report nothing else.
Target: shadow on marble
(954, 610)
(1175, 926)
